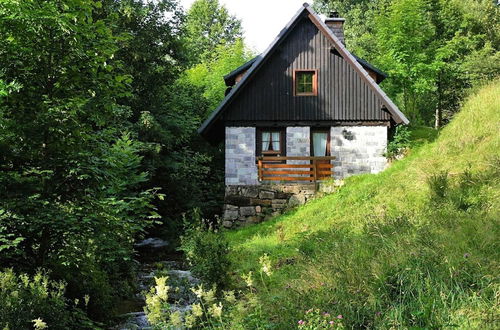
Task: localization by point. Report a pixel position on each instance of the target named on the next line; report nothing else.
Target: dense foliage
(433, 50)
(99, 106)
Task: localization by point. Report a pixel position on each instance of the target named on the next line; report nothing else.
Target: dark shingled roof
(212, 120)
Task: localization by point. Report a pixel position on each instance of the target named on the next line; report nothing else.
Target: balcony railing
(311, 169)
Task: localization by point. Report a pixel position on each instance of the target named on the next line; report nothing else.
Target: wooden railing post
(315, 170)
(260, 168)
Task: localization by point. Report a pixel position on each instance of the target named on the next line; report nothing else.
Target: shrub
(400, 143)
(207, 253)
(35, 301)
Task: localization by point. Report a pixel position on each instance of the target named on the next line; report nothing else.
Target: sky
(262, 19)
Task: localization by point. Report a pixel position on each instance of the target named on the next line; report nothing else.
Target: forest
(100, 102)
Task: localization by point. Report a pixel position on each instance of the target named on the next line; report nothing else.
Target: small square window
(306, 82)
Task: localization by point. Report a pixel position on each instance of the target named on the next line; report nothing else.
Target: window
(270, 142)
(306, 82)
(320, 142)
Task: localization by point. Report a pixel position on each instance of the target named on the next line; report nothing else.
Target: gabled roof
(230, 78)
(396, 114)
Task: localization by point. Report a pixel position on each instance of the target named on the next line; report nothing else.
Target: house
(303, 111)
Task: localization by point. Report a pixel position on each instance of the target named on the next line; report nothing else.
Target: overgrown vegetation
(414, 246)
(207, 251)
(98, 119)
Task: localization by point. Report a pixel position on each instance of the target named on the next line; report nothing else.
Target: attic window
(306, 82)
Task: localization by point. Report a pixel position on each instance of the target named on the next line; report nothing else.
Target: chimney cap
(333, 14)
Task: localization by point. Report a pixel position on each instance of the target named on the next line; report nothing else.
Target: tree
(69, 166)
(209, 25)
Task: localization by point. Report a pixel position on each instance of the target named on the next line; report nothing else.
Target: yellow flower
(162, 287)
(216, 310)
(39, 324)
(265, 264)
(248, 279)
(229, 297)
(197, 310)
(86, 298)
(209, 296)
(199, 291)
(189, 321)
(176, 319)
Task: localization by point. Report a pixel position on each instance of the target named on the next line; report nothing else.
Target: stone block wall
(298, 141)
(248, 204)
(240, 156)
(359, 150)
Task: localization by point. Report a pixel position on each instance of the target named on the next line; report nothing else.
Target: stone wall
(298, 141)
(248, 204)
(240, 156)
(360, 149)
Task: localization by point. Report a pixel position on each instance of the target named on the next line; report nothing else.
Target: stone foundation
(248, 204)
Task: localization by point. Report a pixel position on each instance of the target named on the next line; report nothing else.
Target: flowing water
(153, 259)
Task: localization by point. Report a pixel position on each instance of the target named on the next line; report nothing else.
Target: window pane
(266, 139)
(304, 82)
(276, 141)
(319, 144)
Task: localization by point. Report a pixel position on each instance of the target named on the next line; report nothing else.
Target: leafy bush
(28, 301)
(400, 143)
(207, 253)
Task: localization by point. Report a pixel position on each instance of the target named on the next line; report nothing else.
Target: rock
(136, 320)
(247, 211)
(227, 224)
(231, 215)
(281, 195)
(261, 202)
(258, 209)
(266, 194)
(152, 242)
(250, 191)
(278, 206)
(279, 201)
(237, 200)
(297, 200)
(228, 207)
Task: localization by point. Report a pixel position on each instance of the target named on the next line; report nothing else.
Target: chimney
(336, 24)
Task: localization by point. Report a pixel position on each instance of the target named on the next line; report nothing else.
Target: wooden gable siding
(342, 94)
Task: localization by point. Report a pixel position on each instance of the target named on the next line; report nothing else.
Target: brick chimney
(336, 24)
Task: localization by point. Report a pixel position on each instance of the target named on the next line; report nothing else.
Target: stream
(153, 257)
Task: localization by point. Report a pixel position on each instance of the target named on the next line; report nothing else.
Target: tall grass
(414, 246)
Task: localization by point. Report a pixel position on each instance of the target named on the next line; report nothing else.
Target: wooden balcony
(310, 169)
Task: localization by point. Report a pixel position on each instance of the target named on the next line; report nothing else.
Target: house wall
(240, 156)
(298, 143)
(362, 152)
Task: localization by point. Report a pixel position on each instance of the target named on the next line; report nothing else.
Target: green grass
(386, 250)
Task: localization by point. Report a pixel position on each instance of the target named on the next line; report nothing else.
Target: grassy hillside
(414, 246)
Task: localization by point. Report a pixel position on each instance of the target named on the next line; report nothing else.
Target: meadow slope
(414, 246)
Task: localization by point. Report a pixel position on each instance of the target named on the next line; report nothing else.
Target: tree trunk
(438, 118)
